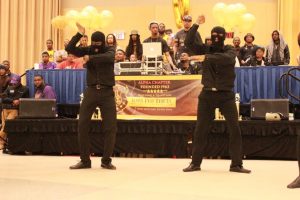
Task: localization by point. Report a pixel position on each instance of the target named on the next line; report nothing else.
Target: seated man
(41, 90)
(46, 63)
(258, 59)
(185, 65)
(10, 103)
(71, 63)
(120, 56)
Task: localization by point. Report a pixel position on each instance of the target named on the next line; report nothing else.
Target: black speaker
(259, 108)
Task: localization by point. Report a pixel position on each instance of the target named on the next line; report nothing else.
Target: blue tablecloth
(263, 83)
(250, 82)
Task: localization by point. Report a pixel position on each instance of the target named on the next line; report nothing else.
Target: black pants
(208, 101)
(104, 99)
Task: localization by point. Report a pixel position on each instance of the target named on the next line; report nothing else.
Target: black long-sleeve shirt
(218, 68)
(100, 67)
(11, 94)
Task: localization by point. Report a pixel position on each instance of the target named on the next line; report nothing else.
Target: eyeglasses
(187, 20)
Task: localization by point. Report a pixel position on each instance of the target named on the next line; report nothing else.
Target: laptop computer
(37, 108)
(152, 49)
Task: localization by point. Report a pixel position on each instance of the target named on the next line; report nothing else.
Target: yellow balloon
(240, 9)
(72, 17)
(85, 19)
(247, 22)
(106, 18)
(96, 22)
(90, 9)
(230, 18)
(219, 12)
(59, 22)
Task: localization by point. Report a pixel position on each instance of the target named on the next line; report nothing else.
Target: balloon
(230, 18)
(59, 22)
(247, 22)
(240, 9)
(106, 18)
(219, 12)
(85, 19)
(96, 22)
(72, 16)
(90, 9)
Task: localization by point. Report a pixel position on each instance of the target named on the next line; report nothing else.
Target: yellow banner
(150, 102)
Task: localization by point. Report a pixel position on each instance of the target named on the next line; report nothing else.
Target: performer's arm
(71, 47)
(107, 57)
(193, 39)
(224, 59)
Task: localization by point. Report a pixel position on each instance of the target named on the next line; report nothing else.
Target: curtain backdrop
(25, 25)
(289, 24)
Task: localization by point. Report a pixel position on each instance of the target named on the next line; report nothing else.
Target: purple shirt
(49, 65)
(47, 93)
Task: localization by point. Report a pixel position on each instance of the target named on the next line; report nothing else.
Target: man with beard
(41, 90)
(99, 61)
(296, 182)
(278, 51)
(218, 82)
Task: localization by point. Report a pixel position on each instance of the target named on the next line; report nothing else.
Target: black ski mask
(96, 38)
(217, 33)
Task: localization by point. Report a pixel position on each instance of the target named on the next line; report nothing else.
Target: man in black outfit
(99, 62)
(218, 80)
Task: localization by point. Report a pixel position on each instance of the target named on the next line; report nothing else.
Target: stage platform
(48, 178)
(261, 139)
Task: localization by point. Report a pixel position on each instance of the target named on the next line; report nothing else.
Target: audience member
(71, 63)
(208, 41)
(4, 79)
(162, 30)
(83, 41)
(134, 47)
(42, 90)
(236, 44)
(153, 27)
(6, 63)
(61, 55)
(120, 56)
(258, 59)
(278, 51)
(111, 40)
(133, 58)
(180, 36)
(50, 49)
(46, 63)
(10, 103)
(247, 50)
(185, 65)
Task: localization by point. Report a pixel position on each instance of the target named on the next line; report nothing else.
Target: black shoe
(108, 166)
(82, 165)
(295, 183)
(192, 168)
(240, 169)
